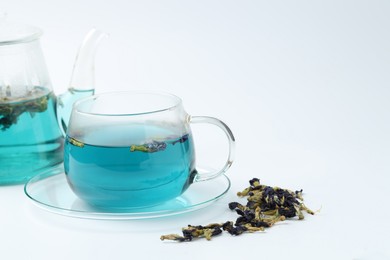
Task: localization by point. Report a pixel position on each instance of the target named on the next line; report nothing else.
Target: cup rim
(177, 102)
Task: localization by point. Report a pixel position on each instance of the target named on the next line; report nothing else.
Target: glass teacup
(133, 149)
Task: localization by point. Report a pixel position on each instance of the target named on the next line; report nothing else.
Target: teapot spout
(83, 75)
(82, 83)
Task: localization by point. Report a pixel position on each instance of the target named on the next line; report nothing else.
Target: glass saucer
(49, 190)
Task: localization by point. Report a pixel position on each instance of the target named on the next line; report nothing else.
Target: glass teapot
(32, 119)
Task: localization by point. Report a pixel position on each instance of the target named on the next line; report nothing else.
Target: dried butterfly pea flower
(265, 206)
(190, 232)
(10, 111)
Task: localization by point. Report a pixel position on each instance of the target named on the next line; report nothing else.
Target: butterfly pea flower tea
(128, 150)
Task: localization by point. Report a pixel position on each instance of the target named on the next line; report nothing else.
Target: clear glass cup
(134, 149)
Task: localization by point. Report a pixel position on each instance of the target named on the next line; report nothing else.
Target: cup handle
(229, 135)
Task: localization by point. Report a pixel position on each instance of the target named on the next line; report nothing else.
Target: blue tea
(129, 166)
(30, 139)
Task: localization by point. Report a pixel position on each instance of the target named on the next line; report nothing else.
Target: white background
(304, 86)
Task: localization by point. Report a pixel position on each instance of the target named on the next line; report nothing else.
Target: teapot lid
(12, 33)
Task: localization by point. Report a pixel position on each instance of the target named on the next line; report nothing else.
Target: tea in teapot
(32, 119)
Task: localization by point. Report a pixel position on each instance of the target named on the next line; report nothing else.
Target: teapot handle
(231, 140)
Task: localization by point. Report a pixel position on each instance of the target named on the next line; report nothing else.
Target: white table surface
(304, 86)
